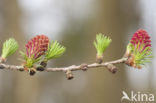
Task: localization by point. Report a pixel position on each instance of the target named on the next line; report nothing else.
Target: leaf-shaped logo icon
(125, 96)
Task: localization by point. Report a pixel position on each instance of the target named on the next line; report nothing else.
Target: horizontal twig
(69, 68)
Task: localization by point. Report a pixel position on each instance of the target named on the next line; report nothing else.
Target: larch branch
(69, 68)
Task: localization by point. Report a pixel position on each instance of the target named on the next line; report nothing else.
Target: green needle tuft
(142, 57)
(101, 43)
(9, 47)
(55, 50)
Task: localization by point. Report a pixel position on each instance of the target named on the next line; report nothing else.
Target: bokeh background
(75, 23)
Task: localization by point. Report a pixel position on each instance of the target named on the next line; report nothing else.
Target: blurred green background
(75, 23)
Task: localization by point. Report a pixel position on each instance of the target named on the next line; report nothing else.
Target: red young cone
(139, 49)
(139, 38)
(37, 46)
